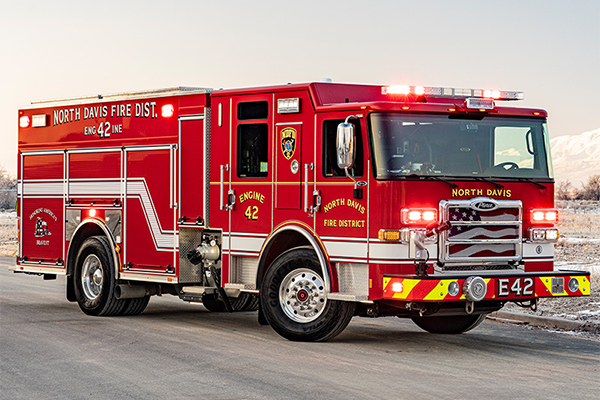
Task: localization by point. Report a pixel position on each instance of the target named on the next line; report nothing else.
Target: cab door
(251, 173)
(294, 151)
(342, 221)
(288, 166)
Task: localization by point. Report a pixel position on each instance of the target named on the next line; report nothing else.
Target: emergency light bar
(452, 92)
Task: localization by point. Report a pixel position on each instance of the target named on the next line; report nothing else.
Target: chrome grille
(483, 231)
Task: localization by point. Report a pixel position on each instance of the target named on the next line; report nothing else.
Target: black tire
(95, 279)
(213, 304)
(294, 301)
(135, 306)
(449, 324)
(252, 304)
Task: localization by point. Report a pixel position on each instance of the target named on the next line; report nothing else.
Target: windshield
(446, 146)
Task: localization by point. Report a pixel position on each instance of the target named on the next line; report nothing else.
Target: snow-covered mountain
(576, 157)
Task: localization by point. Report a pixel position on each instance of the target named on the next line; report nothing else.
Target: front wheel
(294, 299)
(95, 279)
(449, 324)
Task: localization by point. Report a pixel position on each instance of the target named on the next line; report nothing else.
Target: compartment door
(42, 211)
(150, 235)
(192, 170)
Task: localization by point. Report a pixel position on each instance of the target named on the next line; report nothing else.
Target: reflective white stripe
(48, 188)
(137, 189)
(95, 188)
(395, 251)
(345, 249)
(246, 243)
(388, 251)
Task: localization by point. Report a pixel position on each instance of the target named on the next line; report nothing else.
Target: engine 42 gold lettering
(251, 213)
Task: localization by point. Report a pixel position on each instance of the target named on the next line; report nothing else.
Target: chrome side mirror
(345, 144)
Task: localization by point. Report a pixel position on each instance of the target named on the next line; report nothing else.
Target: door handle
(230, 199)
(307, 208)
(223, 168)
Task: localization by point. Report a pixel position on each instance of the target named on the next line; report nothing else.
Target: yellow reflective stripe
(487, 284)
(439, 292)
(547, 282)
(385, 282)
(584, 285)
(409, 285)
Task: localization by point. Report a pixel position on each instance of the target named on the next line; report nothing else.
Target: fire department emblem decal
(41, 225)
(41, 228)
(288, 142)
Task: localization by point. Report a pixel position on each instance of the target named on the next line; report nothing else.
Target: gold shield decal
(288, 142)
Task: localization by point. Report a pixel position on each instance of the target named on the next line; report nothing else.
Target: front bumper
(518, 286)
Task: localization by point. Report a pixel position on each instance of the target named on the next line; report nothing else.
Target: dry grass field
(579, 219)
(8, 233)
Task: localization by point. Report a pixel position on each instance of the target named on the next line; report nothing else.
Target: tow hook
(470, 307)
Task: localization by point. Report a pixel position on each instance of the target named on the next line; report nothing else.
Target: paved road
(50, 350)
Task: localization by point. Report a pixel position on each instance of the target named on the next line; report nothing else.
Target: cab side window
(330, 167)
(252, 150)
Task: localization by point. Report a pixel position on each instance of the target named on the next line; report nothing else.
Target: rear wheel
(294, 300)
(95, 279)
(449, 324)
(135, 306)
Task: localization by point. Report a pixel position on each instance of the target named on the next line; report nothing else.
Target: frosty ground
(578, 249)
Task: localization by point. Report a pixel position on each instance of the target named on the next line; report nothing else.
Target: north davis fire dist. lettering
(128, 110)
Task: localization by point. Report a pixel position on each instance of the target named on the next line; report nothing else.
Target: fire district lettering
(480, 192)
(344, 223)
(146, 109)
(344, 202)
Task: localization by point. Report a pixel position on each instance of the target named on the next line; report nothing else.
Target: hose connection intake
(474, 288)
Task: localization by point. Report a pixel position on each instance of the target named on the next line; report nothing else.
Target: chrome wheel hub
(302, 295)
(91, 277)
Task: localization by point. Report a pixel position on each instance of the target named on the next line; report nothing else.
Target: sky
(548, 49)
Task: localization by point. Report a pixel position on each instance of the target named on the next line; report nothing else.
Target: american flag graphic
(482, 234)
(482, 250)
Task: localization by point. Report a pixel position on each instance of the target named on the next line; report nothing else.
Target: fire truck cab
(311, 203)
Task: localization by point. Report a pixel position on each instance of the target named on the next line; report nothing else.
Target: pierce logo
(484, 205)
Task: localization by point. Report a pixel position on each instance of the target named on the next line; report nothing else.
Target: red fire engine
(311, 203)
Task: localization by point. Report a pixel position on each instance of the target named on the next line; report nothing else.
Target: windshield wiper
(539, 185)
(498, 186)
(435, 178)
